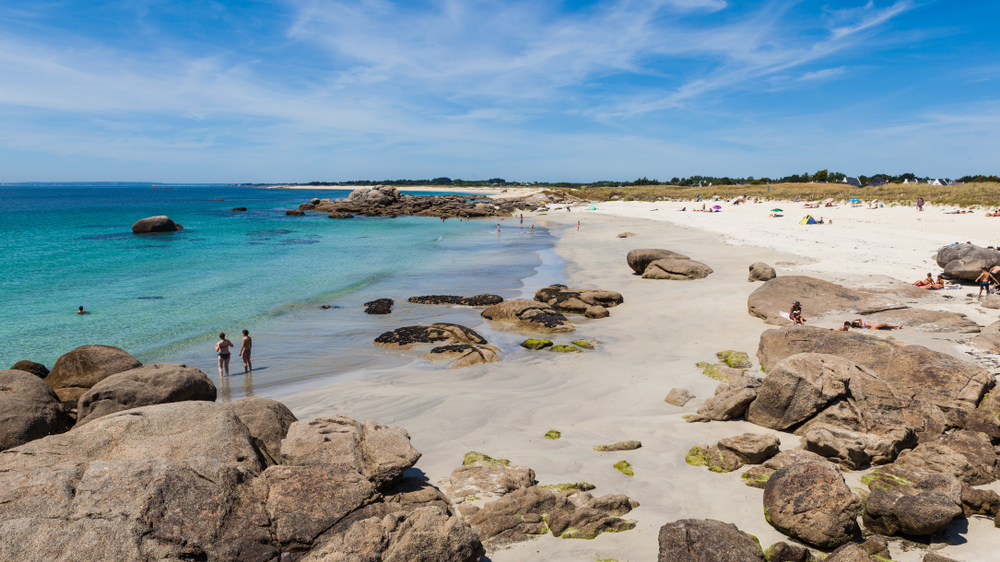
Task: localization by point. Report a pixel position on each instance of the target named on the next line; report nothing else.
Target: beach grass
(986, 195)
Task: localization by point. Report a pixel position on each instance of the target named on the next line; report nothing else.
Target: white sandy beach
(652, 342)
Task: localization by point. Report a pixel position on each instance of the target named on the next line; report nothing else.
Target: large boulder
(968, 455)
(144, 386)
(855, 450)
(926, 320)
(639, 260)
(706, 540)
(577, 301)
(267, 420)
(988, 338)
(37, 369)
(818, 298)
(965, 261)
(409, 337)
(79, 370)
(677, 269)
(529, 316)
(911, 501)
(760, 271)
(912, 371)
(730, 400)
(811, 502)
(751, 448)
(29, 409)
(379, 195)
(495, 480)
(160, 223)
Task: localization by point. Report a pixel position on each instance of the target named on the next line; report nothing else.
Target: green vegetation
(751, 480)
(536, 344)
(686, 416)
(587, 344)
(565, 349)
(472, 458)
(696, 457)
(625, 468)
(553, 434)
(713, 371)
(884, 481)
(599, 559)
(574, 533)
(582, 486)
(734, 359)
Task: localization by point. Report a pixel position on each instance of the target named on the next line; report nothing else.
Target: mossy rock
(756, 477)
(696, 457)
(472, 458)
(625, 468)
(535, 344)
(720, 372)
(574, 533)
(630, 445)
(884, 481)
(735, 359)
(582, 486)
(553, 434)
(566, 349)
(587, 344)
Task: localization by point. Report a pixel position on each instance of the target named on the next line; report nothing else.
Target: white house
(853, 181)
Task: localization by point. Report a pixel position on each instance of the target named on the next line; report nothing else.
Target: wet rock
(965, 261)
(36, 369)
(565, 349)
(911, 501)
(751, 448)
(811, 503)
(467, 481)
(294, 213)
(630, 445)
(478, 300)
(577, 301)
(818, 298)
(760, 271)
(678, 397)
(706, 540)
(158, 223)
(338, 215)
(238, 209)
(536, 344)
(31, 410)
(410, 337)
(463, 354)
(677, 269)
(587, 344)
(77, 371)
(144, 386)
(639, 260)
(529, 316)
(379, 306)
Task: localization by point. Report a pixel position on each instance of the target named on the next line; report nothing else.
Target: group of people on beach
(795, 315)
(223, 346)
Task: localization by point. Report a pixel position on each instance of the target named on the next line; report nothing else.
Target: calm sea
(165, 297)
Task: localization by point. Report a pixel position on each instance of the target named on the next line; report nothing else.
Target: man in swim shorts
(245, 352)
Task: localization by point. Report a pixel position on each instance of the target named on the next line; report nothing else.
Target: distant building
(875, 182)
(911, 181)
(938, 182)
(853, 181)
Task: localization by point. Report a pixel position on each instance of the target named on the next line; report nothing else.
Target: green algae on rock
(582, 486)
(625, 468)
(630, 445)
(535, 344)
(566, 349)
(735, 359)
(553, 434)
(473, 458)
(587, 344)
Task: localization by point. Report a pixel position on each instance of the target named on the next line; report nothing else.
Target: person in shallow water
(245, 351)
(81, 311)
(222, 347)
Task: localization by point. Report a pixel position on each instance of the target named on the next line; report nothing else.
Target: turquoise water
(165, 297)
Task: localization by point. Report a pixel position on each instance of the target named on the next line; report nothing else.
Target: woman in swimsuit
(222, 348)
(859, 323)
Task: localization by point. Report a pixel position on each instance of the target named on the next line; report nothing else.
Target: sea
(297, 284)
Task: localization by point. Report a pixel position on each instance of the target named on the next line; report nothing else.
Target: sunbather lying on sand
(859, 323)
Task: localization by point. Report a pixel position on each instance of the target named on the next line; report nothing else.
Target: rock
(620, 446)
(529, 316)
(854, 450)
(338, 215)
(380, 195)
(379, 306)
(760, 271)
(850, 552)
(729, 403)
(722, 372)
(238, 209)
(587, 344)
(818, 298)
(677, 269)
(388, 202)
(968, 455)
(294, 213)
(410, 337)
(877, 546)
(979, 502)
(883, 284)
(577, 301)
(751, 448)
(536, 344)
(934, 557)
(36, 369)
(991, 302)
(565, 349)
(77, 371)
(965, 261)
(478, 300)
(596, 312)
(31, 410)
(706, 540)
(626, 235)
(463, 354)
(784, 552)
(159, 223)
(381, 453)
(467, 481)
(912, 372)
(988, 337)
(811, 503)
(926, 320)
(678, 397)
(144, 386)
(267, 420)
(735, 359)
(910, 501)
(758, 476)
(639, 260)
(714, 458)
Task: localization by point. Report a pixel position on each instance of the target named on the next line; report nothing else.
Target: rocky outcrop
(294, 213)
(36, 369)
(577, 301)
(965, 261)
(410, 337)
(267, 420)
(463, 354)
(706, 540)
(468, 481)
(77, 371)
(388, 201)
(144, 386)
(30, 409)
(855, 450)
(760, 271)
(160, 223)
(818, 298)
(811, 502)
(912, 372)
(968, 455)
(478, 300)
(926, 320)
(677, 269)
(379, 306)
(338, 215)
(529, 316)
(639, 260)
(988, 337)
(911, 501)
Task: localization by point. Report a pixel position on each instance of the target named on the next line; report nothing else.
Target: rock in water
(238, 209)
(337, 215)
(535, 344)
(812, 503)
(294, 213)
(379, 306)
(36, 369)
(77, 371)
(965, 261)
(145, 386)
(409, 337)
(529, 316)
(677, 269)
(31, 410)
(760, 271)
(159, 223)
(706, 540)
(818, 298)
(639, 260)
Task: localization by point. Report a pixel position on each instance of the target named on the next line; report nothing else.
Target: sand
(651, 344)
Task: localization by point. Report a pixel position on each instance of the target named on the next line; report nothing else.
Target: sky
(204, 91)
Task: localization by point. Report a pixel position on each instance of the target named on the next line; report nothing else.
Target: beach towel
(785, 315)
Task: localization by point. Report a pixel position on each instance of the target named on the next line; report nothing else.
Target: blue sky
(302, 90)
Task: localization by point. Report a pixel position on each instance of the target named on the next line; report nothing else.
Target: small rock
(553, 434)
(714, 458)
(473, 458)
(751, 448)
(536, 344)
(294, 213)
(678, 397)
(338, 215)
(379, 306)
(586, 344)
(464, 354)
(620, 446)
(566, 349)
(784, 552)
(760, 271)
(626, 235)
(238, 209)
(596, 312)
(625, 468)
(478, 300)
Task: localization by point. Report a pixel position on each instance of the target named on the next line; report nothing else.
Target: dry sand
(652, 342)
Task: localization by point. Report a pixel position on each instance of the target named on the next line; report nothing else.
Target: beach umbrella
(830, 200)
(854, 199)
(776, 210)
(716, 207)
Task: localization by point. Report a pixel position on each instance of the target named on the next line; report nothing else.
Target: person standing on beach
(985, 280)
(498, 228)
(245, 352)
(920, 203)
(222, 347)
(578, 226)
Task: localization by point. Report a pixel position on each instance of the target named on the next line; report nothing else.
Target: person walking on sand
(920, 203)
(245, 352)
(984, 280)
(222, 347)
(795, 314)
